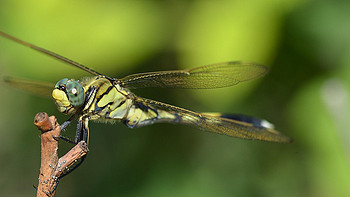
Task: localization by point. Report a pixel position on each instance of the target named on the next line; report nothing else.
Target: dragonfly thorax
(68, 95)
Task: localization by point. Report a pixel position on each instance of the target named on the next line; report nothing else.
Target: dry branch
(53, 168)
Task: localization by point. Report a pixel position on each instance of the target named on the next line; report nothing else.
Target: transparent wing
(38, 88)
(49, 53)
(210, 76)
(250, 129)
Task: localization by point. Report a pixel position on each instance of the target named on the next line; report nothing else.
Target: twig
(53, 168)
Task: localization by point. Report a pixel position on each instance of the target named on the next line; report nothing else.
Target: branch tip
(43, 122)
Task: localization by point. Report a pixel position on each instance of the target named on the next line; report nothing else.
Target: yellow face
(62, 101)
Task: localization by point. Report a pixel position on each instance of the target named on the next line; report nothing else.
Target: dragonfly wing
(210, 76)
(216, 123)
(49, 53)
(38, 88)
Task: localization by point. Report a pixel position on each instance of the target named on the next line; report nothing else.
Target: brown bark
(53, 168)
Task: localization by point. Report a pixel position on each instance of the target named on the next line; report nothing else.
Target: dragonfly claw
(64, 139)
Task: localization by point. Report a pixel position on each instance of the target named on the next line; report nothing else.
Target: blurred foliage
(306, 95)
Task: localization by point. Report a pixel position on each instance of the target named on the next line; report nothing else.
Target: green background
(306, 95)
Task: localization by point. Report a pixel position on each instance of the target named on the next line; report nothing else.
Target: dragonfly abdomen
(141, 114)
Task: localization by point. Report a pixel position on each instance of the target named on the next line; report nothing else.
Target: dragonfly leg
(64, 126)
(78, 133)
(86, 129)
(64, 139)
(82, 132)
(67, 122)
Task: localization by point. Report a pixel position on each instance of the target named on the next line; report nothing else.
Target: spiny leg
(82, 133)
(85, 124)
(64, 139)
(67, 122)
(64, 126)
(78, 133)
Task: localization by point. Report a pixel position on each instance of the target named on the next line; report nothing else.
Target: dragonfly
(101, 97)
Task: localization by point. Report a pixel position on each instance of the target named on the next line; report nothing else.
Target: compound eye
(61, 84)
(75, 93)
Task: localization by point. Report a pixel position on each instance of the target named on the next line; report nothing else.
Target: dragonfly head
(69, 95)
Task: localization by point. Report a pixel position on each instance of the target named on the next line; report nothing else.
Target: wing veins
(49, 53)
(43, 89)
(204, 77)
